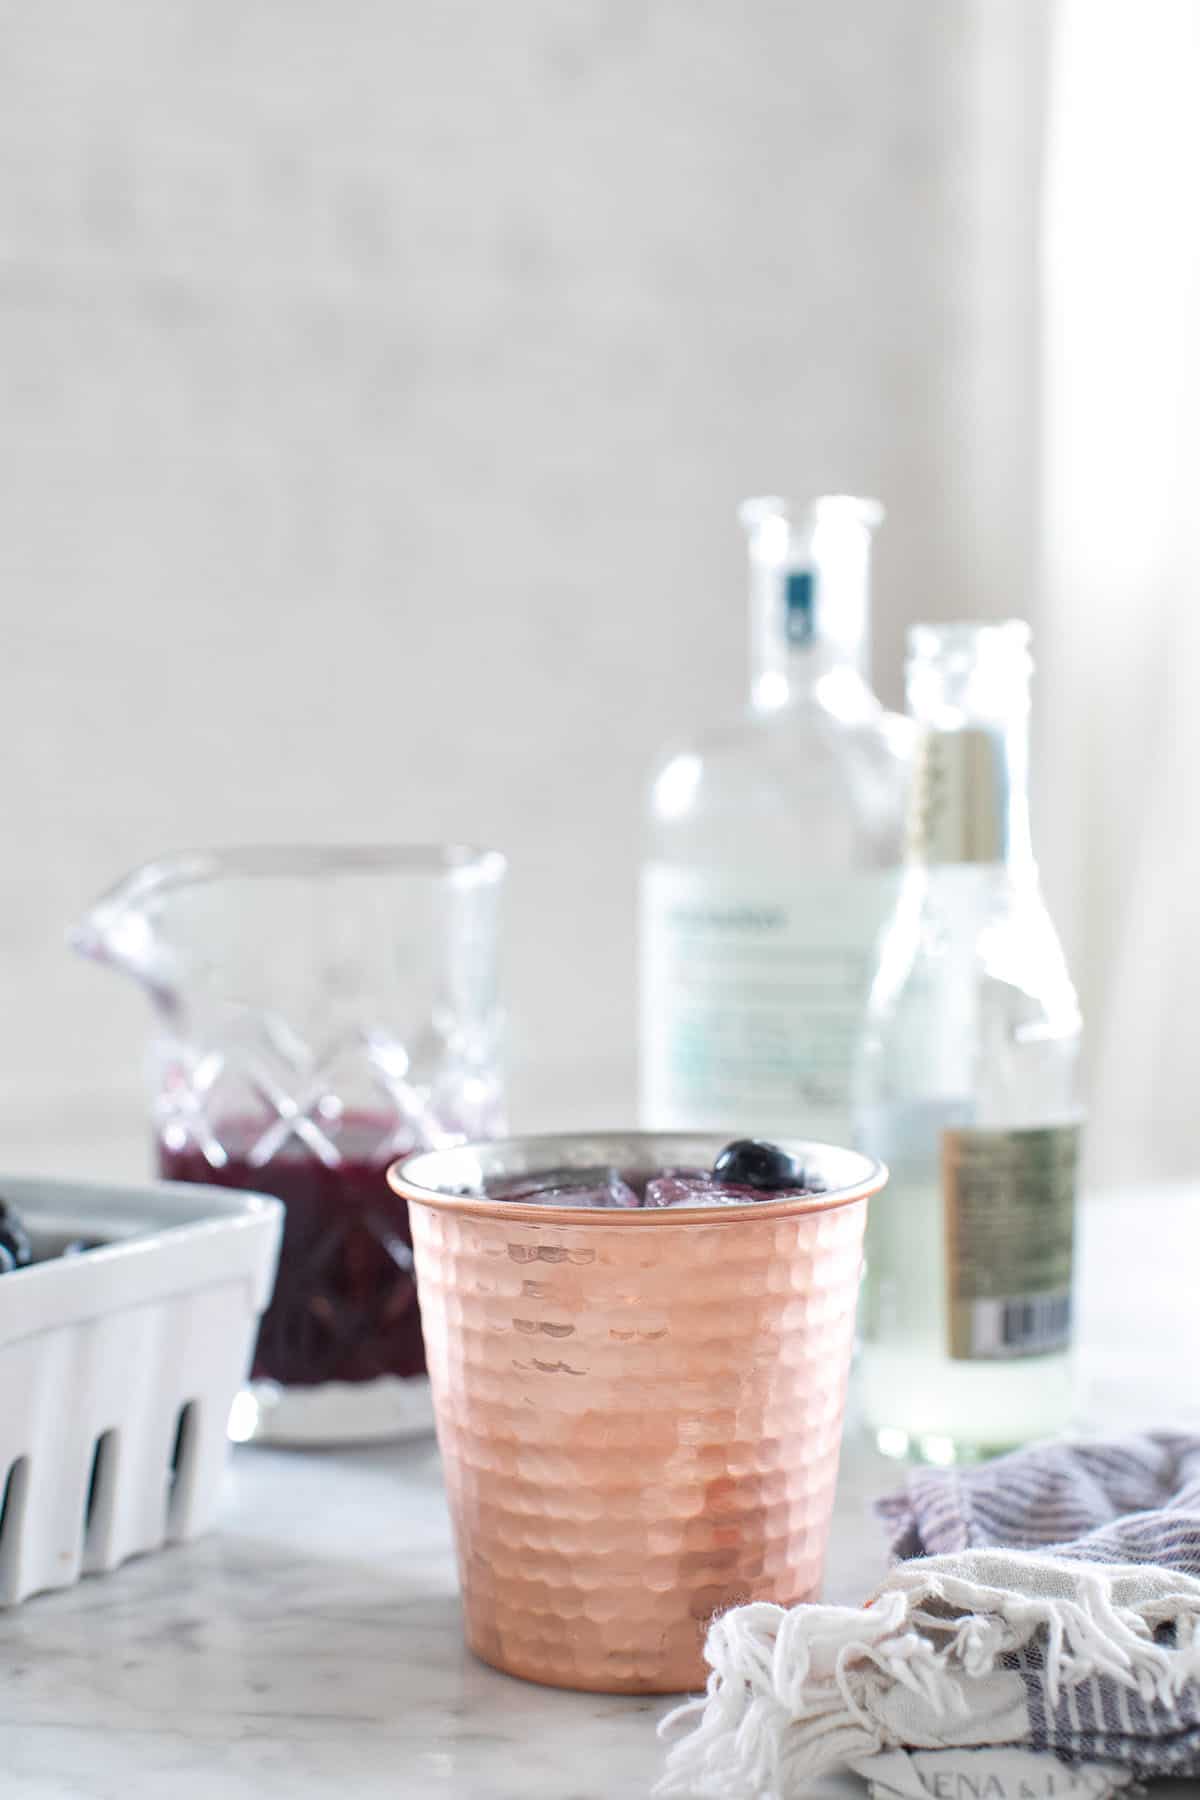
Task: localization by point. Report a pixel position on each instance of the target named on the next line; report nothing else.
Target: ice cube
(677, 1187)
(688, 1187)
(658, 1181)
(565, 1187)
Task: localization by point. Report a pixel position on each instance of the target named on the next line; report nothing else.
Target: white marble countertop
(311, 1646)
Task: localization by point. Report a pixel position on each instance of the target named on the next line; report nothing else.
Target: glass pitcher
(319, 1012)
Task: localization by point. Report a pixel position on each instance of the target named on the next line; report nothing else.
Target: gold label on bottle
(1010, 1231)
(958, 799)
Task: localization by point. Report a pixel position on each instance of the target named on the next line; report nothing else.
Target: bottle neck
(809, 597)
(798, 639)
(969, 799)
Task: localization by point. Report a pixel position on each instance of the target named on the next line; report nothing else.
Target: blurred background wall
(1120, 638)
(378, 382)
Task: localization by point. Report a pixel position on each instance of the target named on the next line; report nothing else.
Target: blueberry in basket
(15, 1248)
(17, 1251)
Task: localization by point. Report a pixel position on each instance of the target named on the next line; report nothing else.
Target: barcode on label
(1021, 1325)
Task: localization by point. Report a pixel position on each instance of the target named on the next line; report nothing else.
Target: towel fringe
(791, 1690)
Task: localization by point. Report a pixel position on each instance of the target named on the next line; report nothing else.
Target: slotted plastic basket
(118, 1368)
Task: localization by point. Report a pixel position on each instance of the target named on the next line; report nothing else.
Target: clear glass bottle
(968, 1083)
(772, 852)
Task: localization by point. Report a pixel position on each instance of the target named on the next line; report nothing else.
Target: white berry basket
(118, 1368)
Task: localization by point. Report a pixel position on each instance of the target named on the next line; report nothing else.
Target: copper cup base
(688, 1680)
(684, 1673)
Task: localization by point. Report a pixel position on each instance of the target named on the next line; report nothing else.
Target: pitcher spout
(119, 930)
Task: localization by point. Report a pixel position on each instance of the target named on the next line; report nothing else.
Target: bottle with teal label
(771, 851)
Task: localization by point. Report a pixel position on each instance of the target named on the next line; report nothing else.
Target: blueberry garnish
(14, 1239)
(753, 1163)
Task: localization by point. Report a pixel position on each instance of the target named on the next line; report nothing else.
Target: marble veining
(311, 1646)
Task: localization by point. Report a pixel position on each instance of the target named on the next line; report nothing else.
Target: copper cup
(639, 1412)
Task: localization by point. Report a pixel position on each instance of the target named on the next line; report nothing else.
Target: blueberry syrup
(345, 1300)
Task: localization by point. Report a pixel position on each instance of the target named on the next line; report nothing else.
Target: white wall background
(377, 381)
(1122, 653)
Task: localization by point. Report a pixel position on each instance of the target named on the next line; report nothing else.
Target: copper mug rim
(461, 1165)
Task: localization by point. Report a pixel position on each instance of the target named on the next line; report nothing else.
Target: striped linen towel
(1046, 1602)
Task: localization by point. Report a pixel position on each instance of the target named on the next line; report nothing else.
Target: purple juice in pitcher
(345, 1301)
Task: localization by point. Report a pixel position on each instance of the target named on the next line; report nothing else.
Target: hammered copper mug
(639, 1412)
